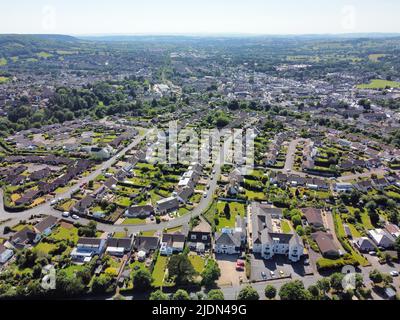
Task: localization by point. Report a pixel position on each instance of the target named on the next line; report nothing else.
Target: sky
(91, 17)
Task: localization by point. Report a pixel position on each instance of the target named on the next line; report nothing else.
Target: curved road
(14, 217)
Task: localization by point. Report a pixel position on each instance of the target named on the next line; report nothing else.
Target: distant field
(3, 79)
(375, 57)
(44, 55)
(379, 84)
(3, 61)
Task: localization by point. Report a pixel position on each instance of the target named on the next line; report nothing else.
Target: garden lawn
(134, 221)
(62, 233)
(285, 226)
(44, 247)
(197, 262)
(159, 271)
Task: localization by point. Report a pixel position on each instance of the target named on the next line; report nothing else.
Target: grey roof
(146, 243)
(262, 226)
(125, 243)
(46, 223)
(140, 211)
(228, 239)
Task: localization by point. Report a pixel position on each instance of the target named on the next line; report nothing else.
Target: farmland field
(379, 84)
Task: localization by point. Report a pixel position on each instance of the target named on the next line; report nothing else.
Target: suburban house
(45, 226)
(199, 241)
(267, 237)
(313, 217)
(184, 194)
(167, 205)
(230, 240)
(171, 243)
(5, 254)
(381, 238)
(119, 246)
(227, 242)
(146, 244)
(326, 244)
(86, 248)
(364, 244)
(139, 211)
(82, 206)
(25, 237)
(393, 230)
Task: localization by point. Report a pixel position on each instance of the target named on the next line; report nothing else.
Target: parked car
(65, 214)
(281, 273)
(264, 275)
(272, 273)
(372, 253)
(394, 273)
(75, 217)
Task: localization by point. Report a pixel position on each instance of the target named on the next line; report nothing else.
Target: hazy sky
(201, 16)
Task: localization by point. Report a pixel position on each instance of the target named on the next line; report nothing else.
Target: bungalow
(326, 244)
(28, 197)
(167, 205)
(381, 238)
(393, 230)
(184, 194)
(86, 248)
(364, 186)
(83, 205)
(313, 217)
(5, 254)
(343, 187)
(146, 244)
(119, 246)
(199, 241)
(171, 243)
(380, 183)
(139, 211)
(45, 226)
(364, 244)
(24, 237)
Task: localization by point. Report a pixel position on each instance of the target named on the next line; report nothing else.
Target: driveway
(275, 268)
(229, 275)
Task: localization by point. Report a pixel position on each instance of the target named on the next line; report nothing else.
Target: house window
(204, 238)
(193, 237)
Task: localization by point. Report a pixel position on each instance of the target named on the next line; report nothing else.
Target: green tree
(215, 294)
(180, 267)
(158, 295)
(248, 293)
(181, 295)
(270, 292)
(314, 291)
(324, 285)
(397, 247)
(142, 280)
(211, 273)
(336, 280)
(102, 284)
(227, 211)
(376, 276)
(294, 290)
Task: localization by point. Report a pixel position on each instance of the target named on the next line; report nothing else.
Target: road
(290, 154)
(46, 208)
